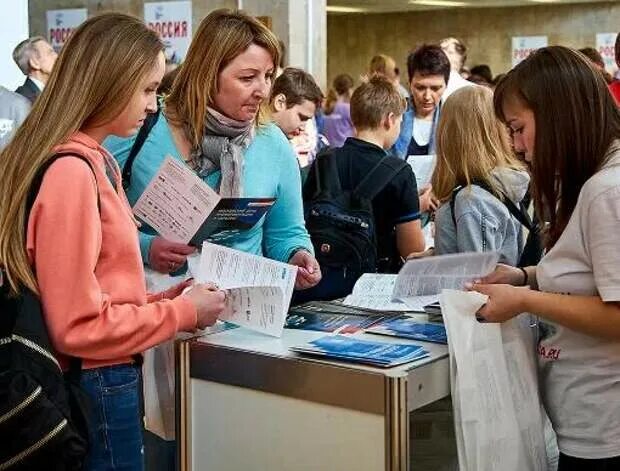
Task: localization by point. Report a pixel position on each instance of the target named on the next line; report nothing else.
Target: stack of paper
(341, 347)
(258, 290)
(409, 328)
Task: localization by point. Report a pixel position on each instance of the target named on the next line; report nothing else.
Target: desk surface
(245, 340)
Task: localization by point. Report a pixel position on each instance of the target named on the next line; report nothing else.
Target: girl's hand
(503, 274)
(504, 303)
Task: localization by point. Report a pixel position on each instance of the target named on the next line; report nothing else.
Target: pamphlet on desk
(347, 348)
(375, 291)
(183, 208)
(259, 290)
(332, 316)
(408, 327)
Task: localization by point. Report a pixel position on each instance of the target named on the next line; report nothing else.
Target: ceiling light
(545, 1)
(438, 3)
(337, 9)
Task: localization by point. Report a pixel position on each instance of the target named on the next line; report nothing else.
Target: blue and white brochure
(342, 347)
(409, 328)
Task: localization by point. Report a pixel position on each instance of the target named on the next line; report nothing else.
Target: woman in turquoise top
(211, 121)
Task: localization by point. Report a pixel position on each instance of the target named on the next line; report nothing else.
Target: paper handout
(331, 316)
(260, 289)
(374, 291)
(429, 275)
(423, 167)
(497, 410)
(183, 208)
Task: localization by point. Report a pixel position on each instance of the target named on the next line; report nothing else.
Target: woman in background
(337, 124)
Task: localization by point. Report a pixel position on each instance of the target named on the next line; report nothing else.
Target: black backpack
(341, 223)
(43, 412)
(533, 248)
(148, 124)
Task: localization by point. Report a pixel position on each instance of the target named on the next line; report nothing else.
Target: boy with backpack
(361, 204)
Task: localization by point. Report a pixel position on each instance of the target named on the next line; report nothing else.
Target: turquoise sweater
(270, 171)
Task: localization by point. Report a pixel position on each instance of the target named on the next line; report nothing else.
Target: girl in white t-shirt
(565, 123)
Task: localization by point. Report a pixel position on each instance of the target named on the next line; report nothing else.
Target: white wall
(13, 29)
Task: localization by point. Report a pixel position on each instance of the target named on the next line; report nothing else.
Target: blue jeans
(115, 425)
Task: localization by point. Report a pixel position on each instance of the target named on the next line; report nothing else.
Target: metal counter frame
(260, 365)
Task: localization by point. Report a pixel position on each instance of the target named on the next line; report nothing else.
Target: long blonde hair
(471, 142)
(222, 36)
(97, 72)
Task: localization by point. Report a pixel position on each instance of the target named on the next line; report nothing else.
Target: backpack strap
(38, 178)
(144, 132)
(378, 177)
(325, 181)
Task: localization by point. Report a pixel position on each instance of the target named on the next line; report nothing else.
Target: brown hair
(576, 122)
(341, 85)
(221, 36)
(373, 100)
(471, 142)
(98, 71)
(382, 65)
(297, 85)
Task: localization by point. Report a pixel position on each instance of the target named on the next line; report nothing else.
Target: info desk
(246, 402)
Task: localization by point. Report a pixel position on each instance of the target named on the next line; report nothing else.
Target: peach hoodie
(88, 265)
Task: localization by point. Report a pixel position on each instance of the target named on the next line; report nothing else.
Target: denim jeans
(115, 425)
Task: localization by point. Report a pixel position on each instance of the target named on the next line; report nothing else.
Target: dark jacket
(29, 90)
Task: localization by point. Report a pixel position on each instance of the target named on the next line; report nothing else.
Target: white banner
(605, 44)
(61, 23)
(173, 22)
(523, 46)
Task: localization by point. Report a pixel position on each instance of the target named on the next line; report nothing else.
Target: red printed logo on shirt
(549, 353)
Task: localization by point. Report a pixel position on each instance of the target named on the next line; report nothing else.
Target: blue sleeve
(284, 228)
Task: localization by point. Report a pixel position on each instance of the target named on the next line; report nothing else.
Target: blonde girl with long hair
(474, 154)
(77, 248)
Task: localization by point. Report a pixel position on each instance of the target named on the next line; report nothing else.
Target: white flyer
(423, 167)
(61, 23)
(256, 307)
(176, 202)
(429, 275)
(231, 269)
(523, 46)
(374, 291)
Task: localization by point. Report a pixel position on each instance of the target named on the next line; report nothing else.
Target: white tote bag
(498, 415)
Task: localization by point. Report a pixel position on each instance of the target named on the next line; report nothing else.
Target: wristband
(525, 277)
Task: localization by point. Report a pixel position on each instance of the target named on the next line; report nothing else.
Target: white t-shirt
(581, 374)
(422, 129)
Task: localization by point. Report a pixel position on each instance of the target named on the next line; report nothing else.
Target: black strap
(520, 213)
(378, 177)
(149, 122)
(38, 178)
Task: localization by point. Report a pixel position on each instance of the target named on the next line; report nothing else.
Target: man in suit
(35, 57)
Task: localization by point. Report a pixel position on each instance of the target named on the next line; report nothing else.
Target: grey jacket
(13, 111)
(484, 224)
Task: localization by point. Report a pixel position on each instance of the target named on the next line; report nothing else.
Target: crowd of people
(249, 128)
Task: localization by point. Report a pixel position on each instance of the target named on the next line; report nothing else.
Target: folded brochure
(183, 208)
(331, 316)
(346, 348)
(409, 328)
